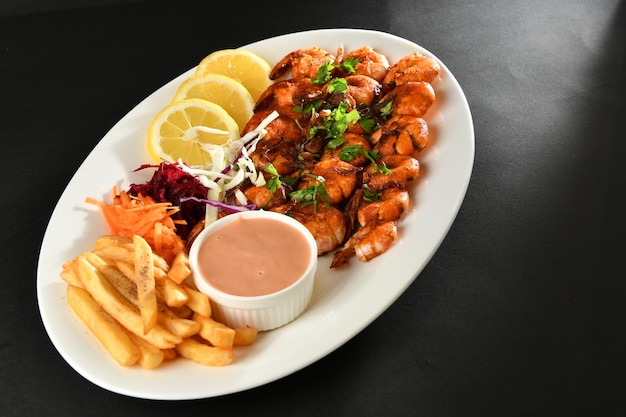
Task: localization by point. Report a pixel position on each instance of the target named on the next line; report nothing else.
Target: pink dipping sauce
(252, 257)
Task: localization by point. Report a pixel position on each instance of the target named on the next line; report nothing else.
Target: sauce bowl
(257, 267)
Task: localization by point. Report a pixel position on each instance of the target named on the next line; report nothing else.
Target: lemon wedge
(224, 91)
(195, 131)
(241, 65)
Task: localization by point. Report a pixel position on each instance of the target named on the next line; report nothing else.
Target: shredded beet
(171, 184)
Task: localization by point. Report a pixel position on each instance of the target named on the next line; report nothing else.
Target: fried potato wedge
(179, 270)
(205, 354)
(144, 274)
(198, 302)
(214, 332)
(119, 308)
(69, 273)
(167, 291)
(109, 332)
(180, 326)
(245, 336)
(150, 356)
(124, 285)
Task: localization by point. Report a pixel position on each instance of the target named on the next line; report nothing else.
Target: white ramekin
(264, 312)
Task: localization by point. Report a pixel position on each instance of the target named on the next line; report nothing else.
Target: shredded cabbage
(230, 168)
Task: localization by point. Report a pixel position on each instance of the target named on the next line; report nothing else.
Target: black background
(520, 312)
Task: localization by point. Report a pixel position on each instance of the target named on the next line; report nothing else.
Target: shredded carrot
(141, 215)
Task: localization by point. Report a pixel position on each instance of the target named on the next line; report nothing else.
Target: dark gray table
(520, 312)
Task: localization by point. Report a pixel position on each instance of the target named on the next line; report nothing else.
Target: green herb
(370, 196)
(335, 143)
(367, 123)
(274, 182)
(311, 194)
(323, 73)
(291, 181)
(334, 122)
(339, 119)
(385, 111)
(350, 152)
(337, 86)
(382, 168)
(348, 65)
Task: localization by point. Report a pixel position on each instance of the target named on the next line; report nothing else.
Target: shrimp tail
(342, 256)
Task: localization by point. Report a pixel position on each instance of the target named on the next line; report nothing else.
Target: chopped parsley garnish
(337, 86)
(370, 196)
(337, 121)
(348, 65)
(367, 123)
(272, 183)
(385, 111)
(323, 73)
(311, 194)
(335, 143)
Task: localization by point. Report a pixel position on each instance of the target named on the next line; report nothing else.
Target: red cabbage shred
(170, 183)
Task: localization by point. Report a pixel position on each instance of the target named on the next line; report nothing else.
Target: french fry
(216, 333)
(116, 253)
(173, 294)
(245, 336)
(169, 354)
(109, 332)
(150, 356)
(113, 240)
(69, 273)
(125, 286)
(205, 354)
(167, 291)
(184, 312)
(126, 254)
(119, 308)
(144, 272)
(179, 326)
(198, 302)
(179, 270)
(160, 263)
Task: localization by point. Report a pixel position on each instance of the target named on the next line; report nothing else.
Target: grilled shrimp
(403, 135)
(340, 179)
(283, 128)
(411, 68)
(412, 98)
(302, 63)
(288, 94)
(368, 242)
(371, 63)
(305, 150)
(262, 197)
(325, 222)
(350, 140)
(376, 229)
(404, 169)
(280, 145)
(363, 89)
(362, 92)
(392, 205)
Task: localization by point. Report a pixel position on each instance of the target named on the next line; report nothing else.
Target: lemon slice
(224, 91)
(241, 65)
(195, 131)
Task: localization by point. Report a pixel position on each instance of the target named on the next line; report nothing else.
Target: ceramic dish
(267, 310)
(343, 302)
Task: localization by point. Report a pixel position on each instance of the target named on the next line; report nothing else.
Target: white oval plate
(344, 301)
